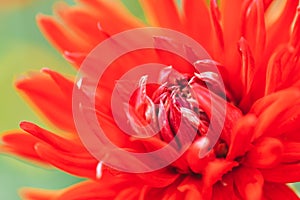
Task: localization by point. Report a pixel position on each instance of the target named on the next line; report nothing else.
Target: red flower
(258, 151)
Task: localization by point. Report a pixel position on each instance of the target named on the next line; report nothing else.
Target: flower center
(175, 103)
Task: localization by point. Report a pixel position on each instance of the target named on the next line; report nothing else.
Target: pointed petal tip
(45, 70)
(20, 82)
(26, 126)
(41, 18)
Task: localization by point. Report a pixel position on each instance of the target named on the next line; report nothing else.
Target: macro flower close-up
(232, 117)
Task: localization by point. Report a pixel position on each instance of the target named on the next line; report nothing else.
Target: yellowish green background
(23, 49)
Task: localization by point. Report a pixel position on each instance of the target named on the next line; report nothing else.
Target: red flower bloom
(258, 56)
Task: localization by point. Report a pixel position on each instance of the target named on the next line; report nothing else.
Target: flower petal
(38, 194)
(63, 39)
(120, 19)
(241, 137)
(226, 186)
(215, 170)
(199, 28)
(283, 173)
(253, 28)
(249, 183)
(278, 191)
(71, 163)
(58, 142)
(160, 178)
(291, 152)
(279, 108)
(81, 20)
(266, 153)
(46, 94)
(162, 13)
(283, 70)
(281, 25)
(21, 144)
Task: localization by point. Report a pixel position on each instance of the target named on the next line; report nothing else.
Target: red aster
(258, 151)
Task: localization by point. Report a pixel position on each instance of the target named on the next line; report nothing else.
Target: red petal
(204, 97)
(266, 153)
(120, 19)
(283, 173)
(253, 28)
(282, 71)
(215, 15)
(162, 13)
(21, 144)
(199, 28)
(291, 152)
(281, 25)
(109, 187)
(291, 136)
(248, 65)
(196, 163)
(279, 108)
(62, 38)
(65, 84)
(215, 170)
(81, 20)
(71, 163)
(295, 37)
(249, 183)
(159, 179)
(64, 144)
(241, 137)
(38, 194)
(278, 191)
(225, 189)
(231, 14)
(47, 96)
(193, 189)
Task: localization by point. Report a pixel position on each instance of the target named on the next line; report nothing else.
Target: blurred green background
(23, 49)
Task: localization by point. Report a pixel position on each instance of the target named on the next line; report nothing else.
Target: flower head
(257, 55)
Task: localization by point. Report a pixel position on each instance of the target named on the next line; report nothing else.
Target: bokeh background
(24, 49)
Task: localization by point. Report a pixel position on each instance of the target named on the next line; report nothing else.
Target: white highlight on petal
(79, 83)
(99, 170)
(203, 144)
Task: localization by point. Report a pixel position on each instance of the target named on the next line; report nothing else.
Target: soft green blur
(23, 49)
